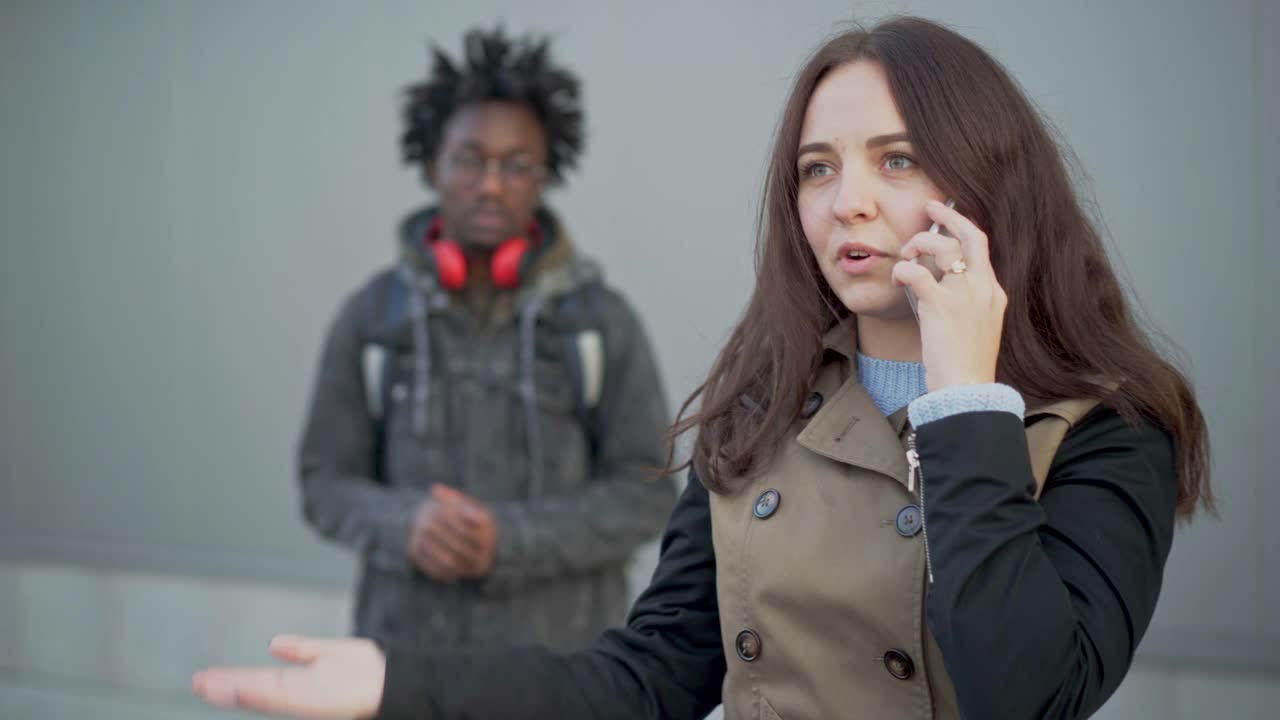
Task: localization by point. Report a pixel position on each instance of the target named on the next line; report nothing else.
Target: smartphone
(911, 297)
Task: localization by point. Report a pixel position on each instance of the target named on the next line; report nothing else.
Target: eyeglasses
(517, 171)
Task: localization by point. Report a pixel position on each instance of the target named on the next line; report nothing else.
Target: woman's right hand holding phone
(961, 314)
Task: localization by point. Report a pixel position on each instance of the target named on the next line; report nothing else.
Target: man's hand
(453, 536)
(337, 678)
(473, 520)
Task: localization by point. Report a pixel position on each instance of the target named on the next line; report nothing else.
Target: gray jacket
(412, 390)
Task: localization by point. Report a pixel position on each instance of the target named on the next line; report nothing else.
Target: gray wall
(187, 190)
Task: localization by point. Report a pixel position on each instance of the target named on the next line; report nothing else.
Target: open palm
(336, 679)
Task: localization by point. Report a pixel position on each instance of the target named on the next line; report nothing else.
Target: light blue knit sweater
(893, 384)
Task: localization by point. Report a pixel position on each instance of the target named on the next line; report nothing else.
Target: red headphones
(505, 268)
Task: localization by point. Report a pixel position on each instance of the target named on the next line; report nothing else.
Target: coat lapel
(849, 428)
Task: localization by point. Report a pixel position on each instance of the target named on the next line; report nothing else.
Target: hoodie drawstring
(421, 352)
(528, 388)
(529, 393)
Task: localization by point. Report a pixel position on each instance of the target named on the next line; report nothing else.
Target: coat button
(908, 522)
(748, 645)
(767, 503)
(899, 664)
(811, 405)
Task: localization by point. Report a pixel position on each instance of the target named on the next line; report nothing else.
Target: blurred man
(487, 413)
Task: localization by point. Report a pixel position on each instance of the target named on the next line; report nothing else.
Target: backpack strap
(585, 353)
(388, 308)
(1046, 426)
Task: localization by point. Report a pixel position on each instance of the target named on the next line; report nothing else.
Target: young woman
(957, 504)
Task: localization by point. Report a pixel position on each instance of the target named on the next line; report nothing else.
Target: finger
(973, 241)
(461, 531)
(276, 691)
(446, 557)
(426, 558)
(445, 493)
(454, 495)
(421, 520)
(437, 564)
(224, 686)
(213, 684)
(468, 516)
(453, 536)
(918, 278)
(279, 692)
(944, 250)
(477, 513)
(427, 562)
(300, 648)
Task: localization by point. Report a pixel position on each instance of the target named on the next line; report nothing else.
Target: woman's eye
(899, 162)
(816, 170)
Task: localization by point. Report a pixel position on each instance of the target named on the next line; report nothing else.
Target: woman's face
(861, 194)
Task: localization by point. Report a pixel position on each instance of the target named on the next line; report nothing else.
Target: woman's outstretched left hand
(334, 679)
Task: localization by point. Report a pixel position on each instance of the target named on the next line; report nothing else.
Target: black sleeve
(666, 663)
(1039, 606)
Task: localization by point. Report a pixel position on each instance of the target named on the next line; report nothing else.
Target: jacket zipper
(915, 475)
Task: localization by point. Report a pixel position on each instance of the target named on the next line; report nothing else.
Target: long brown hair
(980, 140)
